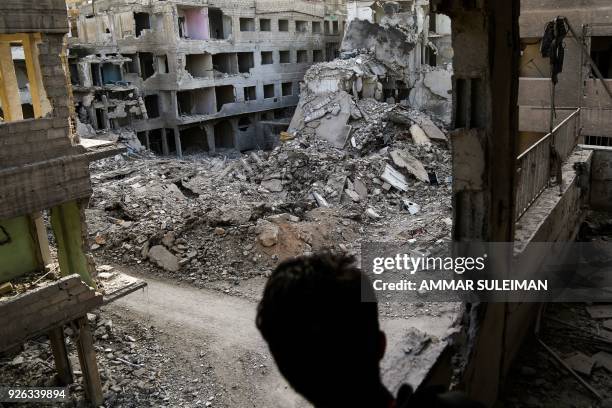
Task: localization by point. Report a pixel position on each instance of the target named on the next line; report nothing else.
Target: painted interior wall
(19, 252)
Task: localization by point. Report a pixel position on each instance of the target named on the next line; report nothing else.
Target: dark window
(268, 91)
(286, 88)
(265, 24)
(266, 57)
(152, 105)
(247, 24)
(142, 21)
(284, 57)
(601, 53)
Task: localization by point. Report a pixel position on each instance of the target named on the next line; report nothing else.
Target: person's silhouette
(326, 342)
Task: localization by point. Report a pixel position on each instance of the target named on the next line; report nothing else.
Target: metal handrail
(533, 165)
(548, 135)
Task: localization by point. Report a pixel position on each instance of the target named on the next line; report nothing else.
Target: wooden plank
(39, 311)
(89, 365)
(60, 355)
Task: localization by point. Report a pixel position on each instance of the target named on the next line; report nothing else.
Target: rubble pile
(224, 219)
(130, 365)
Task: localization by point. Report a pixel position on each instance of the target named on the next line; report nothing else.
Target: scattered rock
(163, 258)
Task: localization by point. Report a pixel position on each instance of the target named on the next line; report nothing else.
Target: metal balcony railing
(533, 166)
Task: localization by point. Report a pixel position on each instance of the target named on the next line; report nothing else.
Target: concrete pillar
(210, 137)
(147, 140)
(137, 64)
(174, 112)
(68, 223)
(486, 52)
(177, 142)
(235, 133)
(165, 148)
(40, 103)
(9, 88)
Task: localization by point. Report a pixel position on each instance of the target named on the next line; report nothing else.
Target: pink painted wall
(196, 21)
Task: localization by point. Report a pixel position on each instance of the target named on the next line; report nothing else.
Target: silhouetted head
(325, 341)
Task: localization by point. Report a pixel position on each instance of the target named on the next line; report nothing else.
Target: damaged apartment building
(190, 76)
(414, 43)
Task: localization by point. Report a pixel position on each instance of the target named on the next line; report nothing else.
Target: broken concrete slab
(272, 185)
(394, 178)
(600, 311)
(403, 159)
(580, 363)
(418, 136)
(321, 202)
(432, 131)
(352, 195)
(360, 188)
(163, 258)
(604, 360)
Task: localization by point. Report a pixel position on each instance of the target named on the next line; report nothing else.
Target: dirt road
(221, 327)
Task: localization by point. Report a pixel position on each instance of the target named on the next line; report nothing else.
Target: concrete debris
(164, 258)
(418, 136)
(600, 311)
(395, 178)
(403, 159)
(272, 185)
(268, 235)
(604, 360)
(413, 208)
(580, 363)
(194, 218)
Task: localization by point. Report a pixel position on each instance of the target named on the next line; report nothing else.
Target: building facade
(190, 75)
(579, 86)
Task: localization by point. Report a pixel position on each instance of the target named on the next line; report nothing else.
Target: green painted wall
(67, 222)
(19, 252)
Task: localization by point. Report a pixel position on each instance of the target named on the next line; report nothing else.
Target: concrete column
(235, 133)
(165, 148)
(40, 103)
(174, 112)
(147, 140)
(177, 142)
(9, 89)
(484, 152)
(210, 137)
(137, 65)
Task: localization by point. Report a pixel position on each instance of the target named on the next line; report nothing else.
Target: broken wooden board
(115, 285)
(580, 363)
(600, 311)
(395, 178)
(35, 312)
(403, 159)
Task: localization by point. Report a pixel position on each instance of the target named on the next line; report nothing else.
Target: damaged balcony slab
(557, 214)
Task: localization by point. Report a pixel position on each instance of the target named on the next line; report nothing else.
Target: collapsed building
(188, 76)
(414, 42)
